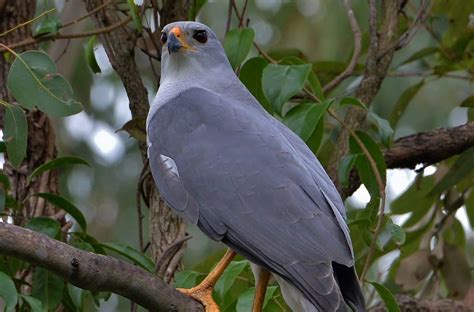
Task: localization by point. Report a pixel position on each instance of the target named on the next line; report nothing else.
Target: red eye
(163, 38)
(200, 36)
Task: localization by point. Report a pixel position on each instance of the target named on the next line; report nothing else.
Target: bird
(223, 163)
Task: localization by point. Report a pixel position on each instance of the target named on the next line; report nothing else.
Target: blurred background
(317, 29)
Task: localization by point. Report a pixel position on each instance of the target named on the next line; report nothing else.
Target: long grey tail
(348, 282)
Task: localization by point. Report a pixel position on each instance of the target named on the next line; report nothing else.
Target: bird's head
(190, 50)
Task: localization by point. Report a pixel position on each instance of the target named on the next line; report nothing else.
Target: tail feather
(348, 282)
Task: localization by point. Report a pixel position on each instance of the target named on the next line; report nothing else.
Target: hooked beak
(176, 41)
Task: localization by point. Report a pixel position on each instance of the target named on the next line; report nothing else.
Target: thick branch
(425, 148)
(407, 303)
(430, 147)
(92, 271)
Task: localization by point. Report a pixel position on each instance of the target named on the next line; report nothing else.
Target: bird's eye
(200, 36)
(163, 38)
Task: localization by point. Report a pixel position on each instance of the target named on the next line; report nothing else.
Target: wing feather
(245, 180)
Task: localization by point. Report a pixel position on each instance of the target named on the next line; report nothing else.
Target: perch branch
(92, 271)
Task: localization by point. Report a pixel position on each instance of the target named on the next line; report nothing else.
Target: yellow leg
(260, 290)
(203, 291)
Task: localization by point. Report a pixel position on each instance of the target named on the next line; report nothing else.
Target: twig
(229, 17)
(357, 48)
(99, 31)
(98, 8)
(139, 205)
(26, 23)
(241, 19)
(411, 31)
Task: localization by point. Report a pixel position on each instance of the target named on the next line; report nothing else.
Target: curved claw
(203, 295)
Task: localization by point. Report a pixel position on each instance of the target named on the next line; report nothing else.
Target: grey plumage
(244, 178)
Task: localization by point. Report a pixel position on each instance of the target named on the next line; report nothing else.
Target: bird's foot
(203, 294)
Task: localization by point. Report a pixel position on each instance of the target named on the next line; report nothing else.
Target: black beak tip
(173, 44)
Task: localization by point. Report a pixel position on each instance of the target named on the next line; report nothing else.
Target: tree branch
(357, 48)
(425, 148)
(92, 271)
(430, 147)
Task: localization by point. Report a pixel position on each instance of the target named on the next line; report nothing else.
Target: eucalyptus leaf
(47, 288)
(383, 127)
(50, 25)
(15, 134)
(461, 169)
(387, 297)
(35, 304)
(244, 303)
(303, 118)
(280, 82)
(57, 163)
(135, 14)
(397, 233)
(8, 291)
(44, 225)
(352, 101)
(363, 166)
(251, 76)
(230, 274)
(34, 81)
(186, 279)
(130, 253)
(345, 168)
(90, 56)
(403, 102)
(67, 206)
(237, 44)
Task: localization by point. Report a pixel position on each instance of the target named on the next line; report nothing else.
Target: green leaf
(2, 199)
(67, 206)
(397, 233)
(313, 81)
(194, 9)
(86, 238)
(50, 25)
(280, 82)
(421, 54)
(403, 102)
(461, 169)
(48, 288)
(468, 102)
(469, 202)
(15, 134)
(387, 297)
(362, 164)
(345, 168)
(415, 197)
(35, 304)
(186, 279)
(352, 101)
(45, 225)
(8, 292)
(33, 81)
(90, 56)
(136, 256)
(135, 13)
(237, 44)
(383, 126)
(251, 76)
(78, 295)
(245, 301)
(57, 163)
(303, 118)
(228, 277)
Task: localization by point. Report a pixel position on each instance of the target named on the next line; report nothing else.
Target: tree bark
(165, 227)
(93, 271)
(375, 72)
